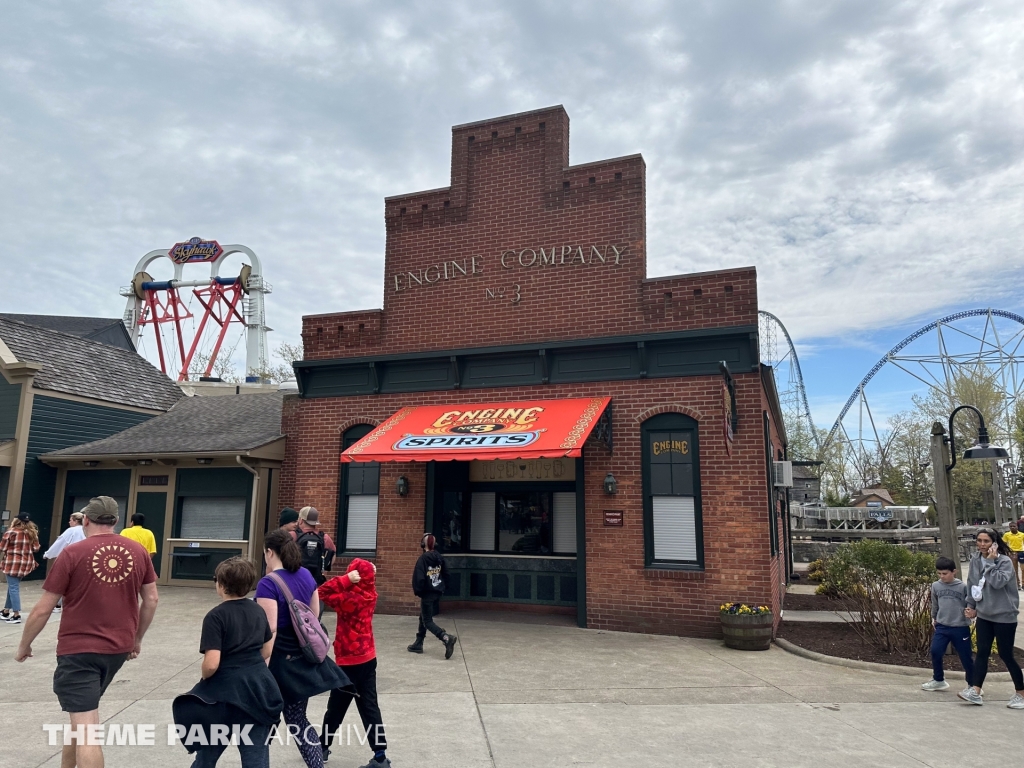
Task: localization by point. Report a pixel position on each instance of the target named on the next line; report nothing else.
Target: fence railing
(858, 518)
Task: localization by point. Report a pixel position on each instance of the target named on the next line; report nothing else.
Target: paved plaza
(536, 691)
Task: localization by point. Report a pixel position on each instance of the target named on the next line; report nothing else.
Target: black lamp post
(981, 448)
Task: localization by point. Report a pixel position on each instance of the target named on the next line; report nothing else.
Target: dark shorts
(82, 678)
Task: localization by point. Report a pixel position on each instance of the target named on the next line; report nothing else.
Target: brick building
(645, 498)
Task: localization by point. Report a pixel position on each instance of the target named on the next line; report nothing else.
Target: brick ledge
(674, 573)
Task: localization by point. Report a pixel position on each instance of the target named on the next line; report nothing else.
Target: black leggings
(1003, 634)
(364, 678)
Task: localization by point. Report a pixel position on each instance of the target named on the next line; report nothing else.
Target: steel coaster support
(216, 293)
(156, 312)
(1006, 315)
(225, 320)
(152, 305)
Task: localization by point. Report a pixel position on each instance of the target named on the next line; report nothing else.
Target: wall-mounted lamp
(611, 485)
(402, 486)
(145, 462)
(204, 461)
(91, 463)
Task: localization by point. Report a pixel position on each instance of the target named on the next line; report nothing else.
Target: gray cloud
(865, 156)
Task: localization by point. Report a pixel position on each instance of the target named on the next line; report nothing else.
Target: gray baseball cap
(102, 510)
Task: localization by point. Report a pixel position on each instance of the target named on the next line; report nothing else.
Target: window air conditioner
(782, 474)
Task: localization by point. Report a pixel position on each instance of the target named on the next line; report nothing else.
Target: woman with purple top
(297, 678)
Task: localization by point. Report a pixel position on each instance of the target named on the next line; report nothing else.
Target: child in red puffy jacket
(353, 597)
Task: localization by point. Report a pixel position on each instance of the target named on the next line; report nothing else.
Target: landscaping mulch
(842, 640)
(797, 602)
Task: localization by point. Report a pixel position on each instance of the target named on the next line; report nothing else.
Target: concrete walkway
(533, 693)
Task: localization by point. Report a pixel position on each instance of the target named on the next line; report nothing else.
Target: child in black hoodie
(428, 579)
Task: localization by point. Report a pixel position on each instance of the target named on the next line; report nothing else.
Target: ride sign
(195, 250)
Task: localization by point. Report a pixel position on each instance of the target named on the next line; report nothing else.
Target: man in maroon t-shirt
(101, 579)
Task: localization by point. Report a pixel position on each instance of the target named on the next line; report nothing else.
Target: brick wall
(621, 593)
(513, 195)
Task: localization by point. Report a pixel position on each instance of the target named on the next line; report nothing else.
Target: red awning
(528, 429)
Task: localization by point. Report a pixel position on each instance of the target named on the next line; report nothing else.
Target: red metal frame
(220, 303)
(216, 293)
(169, 310)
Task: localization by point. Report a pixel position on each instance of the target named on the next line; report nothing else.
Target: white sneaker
(1017, 702)
(971, 696)
(936, 685)
(57, 609)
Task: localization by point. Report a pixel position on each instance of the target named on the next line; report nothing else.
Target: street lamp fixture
(981, 449)
(402, 486)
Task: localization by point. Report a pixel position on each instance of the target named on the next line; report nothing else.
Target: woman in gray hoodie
(992, 598)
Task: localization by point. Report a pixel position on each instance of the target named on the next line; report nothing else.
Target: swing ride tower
(228, 303)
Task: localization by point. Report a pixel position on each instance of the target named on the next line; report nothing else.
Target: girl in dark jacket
(353, 596)
(237, 689)
(297, 678)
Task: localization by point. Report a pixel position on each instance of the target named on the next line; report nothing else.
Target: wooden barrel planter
(747, 632)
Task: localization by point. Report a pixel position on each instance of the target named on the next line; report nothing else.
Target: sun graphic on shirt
(112, 563)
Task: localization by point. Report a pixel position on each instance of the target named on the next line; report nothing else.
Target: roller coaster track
(895, 350)
(799, 376)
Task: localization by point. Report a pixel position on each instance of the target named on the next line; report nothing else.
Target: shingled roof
(87, 368)
(210, 425)
(109, 330)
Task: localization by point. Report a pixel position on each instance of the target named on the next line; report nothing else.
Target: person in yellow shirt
(142, 535)
(1015, 541)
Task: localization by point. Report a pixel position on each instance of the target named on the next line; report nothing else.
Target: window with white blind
(213, 517)
(359, 498)
(362, 522)
(673, 529)
(674, 524)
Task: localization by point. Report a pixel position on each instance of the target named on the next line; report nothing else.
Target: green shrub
(838, 574)
(889, 586)
(816, 571)
(892, 595)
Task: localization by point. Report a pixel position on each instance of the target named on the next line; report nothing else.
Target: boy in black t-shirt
(237, 691)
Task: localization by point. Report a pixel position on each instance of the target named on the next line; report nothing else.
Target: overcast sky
(867, 157)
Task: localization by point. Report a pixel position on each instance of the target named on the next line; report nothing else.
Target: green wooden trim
(10, 402)
(668, 421)
(732, 330)
(581, 547)
(769, 456)
(352, 434)
(509, 576)
(662, 355)
(429, 500)
(98, 482)
(154, 506)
